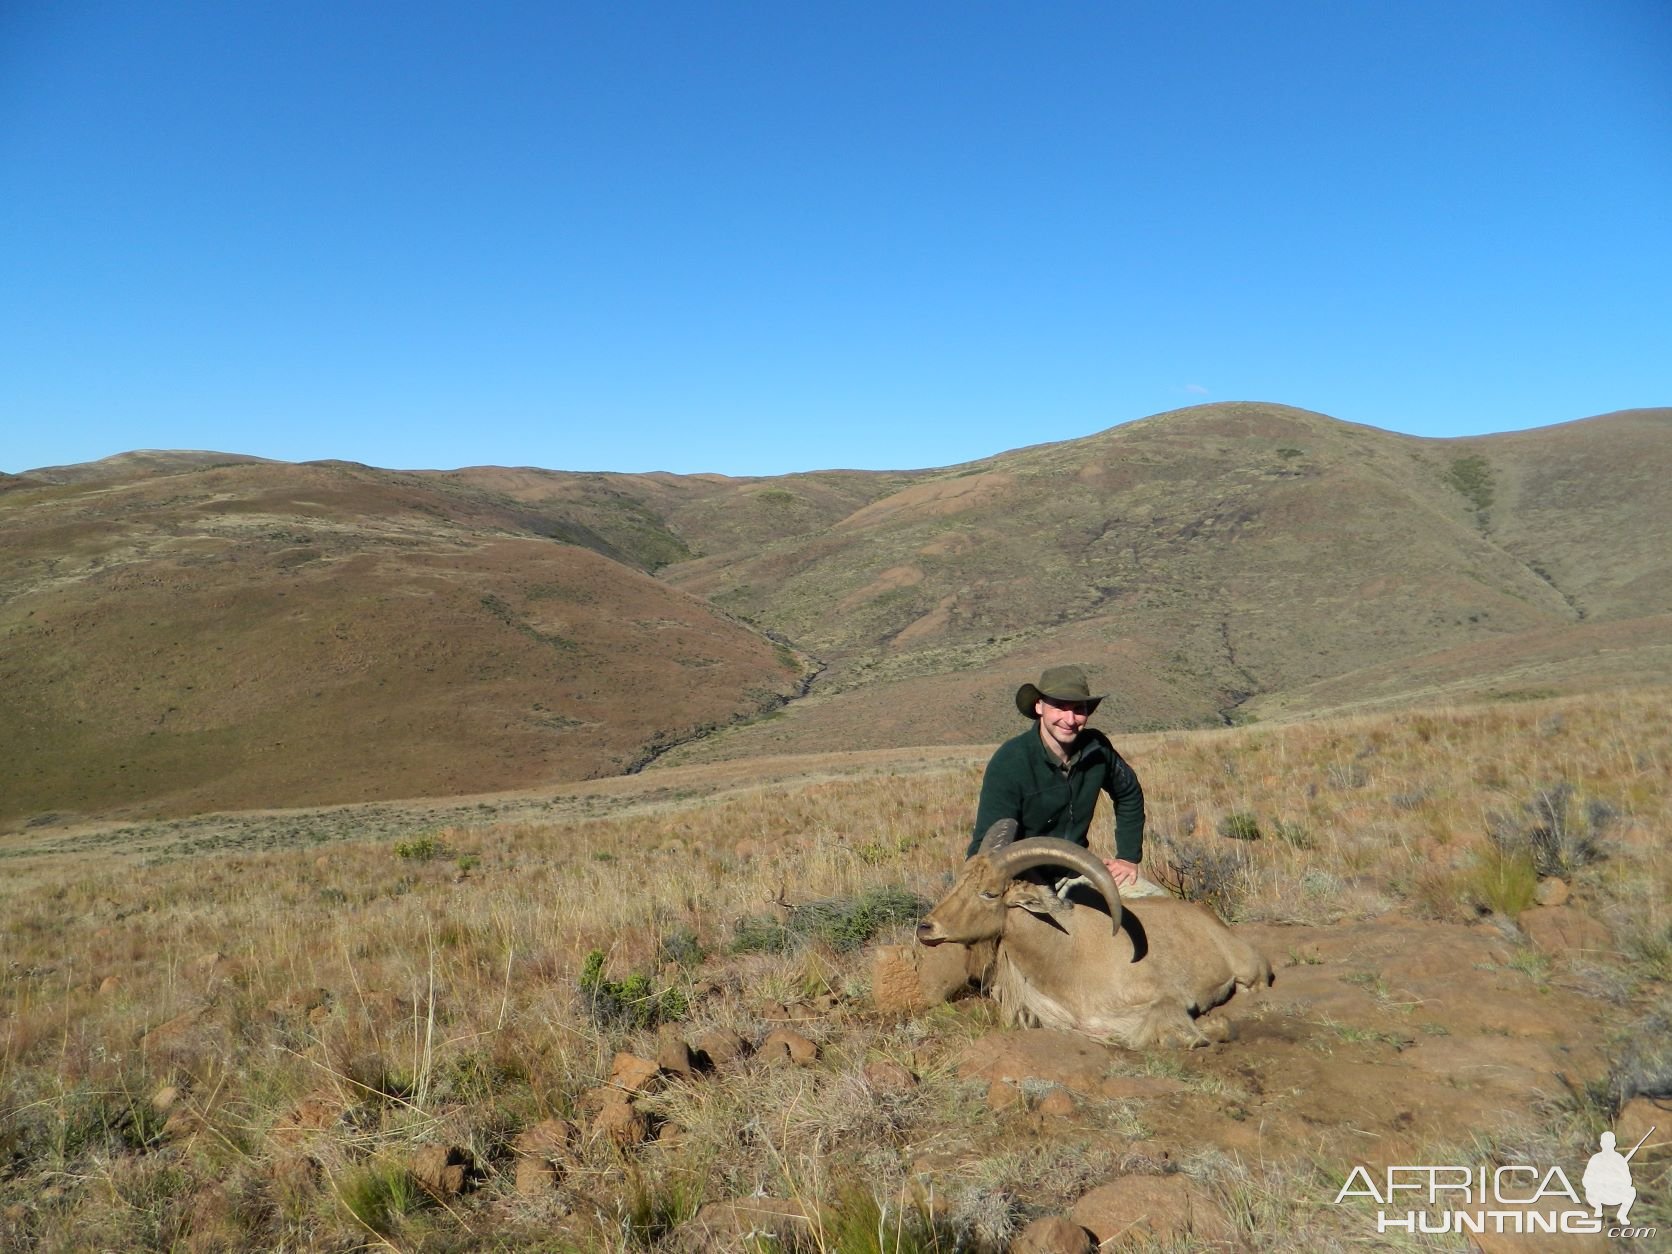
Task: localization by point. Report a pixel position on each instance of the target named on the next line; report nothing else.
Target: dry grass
(322, 1012)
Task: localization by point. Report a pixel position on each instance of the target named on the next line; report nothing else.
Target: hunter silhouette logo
(1607, 1177)
(1513, 1197)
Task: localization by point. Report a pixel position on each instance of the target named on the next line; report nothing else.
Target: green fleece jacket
(1051, 798)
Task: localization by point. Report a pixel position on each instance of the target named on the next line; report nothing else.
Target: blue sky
(762, 237)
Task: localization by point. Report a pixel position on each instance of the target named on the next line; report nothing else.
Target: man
(1047, 779)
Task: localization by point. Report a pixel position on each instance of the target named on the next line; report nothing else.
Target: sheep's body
(1139, 979)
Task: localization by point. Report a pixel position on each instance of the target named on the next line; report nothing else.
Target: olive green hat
(1059, 683)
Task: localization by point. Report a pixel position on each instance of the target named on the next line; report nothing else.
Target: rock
(1053, 1234)
(622, 1124)
(442, 1170)
(632, 1074)
(721, 1045)
(906, 978)
(784, 1046)
(726, 1226)
(165, 1099)
(550, 1138)
(109, 985)
(1150, 1209)
(1552, 892)
(673, 1056)
(1566, 931)
(536, 1177)
(1058, 1103)
(181, 1125)
(887, 1076)
(1003, 1095)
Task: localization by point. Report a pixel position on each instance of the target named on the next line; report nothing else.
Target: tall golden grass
(234, 1050)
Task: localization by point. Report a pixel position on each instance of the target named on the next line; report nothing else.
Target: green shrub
(421, 849)
(843, 923)
(1502, 881)
(634, 1002)
(1240, 826)
(377, 1195)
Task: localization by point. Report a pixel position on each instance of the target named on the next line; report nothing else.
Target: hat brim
(1028, 695)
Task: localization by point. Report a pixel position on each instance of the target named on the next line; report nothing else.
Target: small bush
(1240, 826)
(635, 1002)
(1502, 882)
(1548, 831)
(843, 923)
(378, 1195)
(1214, 879)
(421, 849)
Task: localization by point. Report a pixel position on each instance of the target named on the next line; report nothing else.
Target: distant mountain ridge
(183, 630)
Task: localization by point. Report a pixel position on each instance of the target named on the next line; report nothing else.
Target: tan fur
(1059, 964)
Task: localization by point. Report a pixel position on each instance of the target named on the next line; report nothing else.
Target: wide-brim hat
(1059, 683)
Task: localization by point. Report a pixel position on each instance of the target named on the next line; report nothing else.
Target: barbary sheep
(1136, 976)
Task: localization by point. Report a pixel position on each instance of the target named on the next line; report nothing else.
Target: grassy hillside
(183, 630)
(254, 635)
(294, 1034)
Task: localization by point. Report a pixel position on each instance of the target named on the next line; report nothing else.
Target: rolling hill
(186, 631)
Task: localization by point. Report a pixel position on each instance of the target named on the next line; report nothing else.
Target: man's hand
(1125, 873)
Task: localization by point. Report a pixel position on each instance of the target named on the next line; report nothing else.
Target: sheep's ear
(1037, 899)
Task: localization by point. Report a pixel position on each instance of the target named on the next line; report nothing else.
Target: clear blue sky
(763, 237)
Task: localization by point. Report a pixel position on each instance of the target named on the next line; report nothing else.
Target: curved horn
(999, 835)
(1024, 855)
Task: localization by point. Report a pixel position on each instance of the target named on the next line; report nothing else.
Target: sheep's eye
(988, 895)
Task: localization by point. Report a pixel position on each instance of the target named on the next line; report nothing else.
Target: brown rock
(632, 1074)
(1564, 930)
(906, 978)
(721, 1045)
(1002, 1095)
(441, 1169)
(784, 1046)
(1053, 1234)
(887, 1076)
(1552, 892)
(109, 985)
(165, 1099)
(536, 1177)
(1154, 1209)
(1058, 1103)
(622, 1124)
(673, 1056)
(550, 1138)
(181, 1125)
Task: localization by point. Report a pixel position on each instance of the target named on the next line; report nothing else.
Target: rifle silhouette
(1639, 1144)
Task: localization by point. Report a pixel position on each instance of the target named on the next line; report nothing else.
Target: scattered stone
(1058, 1103)
(536, 1177)
(785, 1046)
(1552, 892)
(1564, 930)
(673, 1056)
(1003, 1095)
(721, 1045)
(1150, 1209)
(550, 1138)
(165, 1099)
(887, 1076)
(1053, 1234)
(441, 1169)
(109, 985)
(907, 978)
(633, 1074)
(622, 1124)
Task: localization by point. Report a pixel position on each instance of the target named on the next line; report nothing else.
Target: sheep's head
(974, 909)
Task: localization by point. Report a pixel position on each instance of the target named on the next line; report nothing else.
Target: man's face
(1060, 723)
